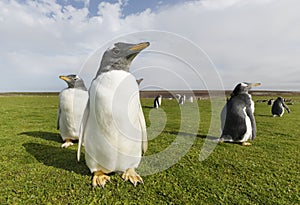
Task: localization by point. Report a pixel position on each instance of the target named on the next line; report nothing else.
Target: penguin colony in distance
(114, 133)
(278, 107)
(72, 103)
(237, 119)
(157, 101)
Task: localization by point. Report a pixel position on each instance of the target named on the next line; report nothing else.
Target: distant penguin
(182, 100)
(237, 117)
(191, 99)
(114, 132)
(270, 102)
(278, 107)
(157, 101)
(72, 103)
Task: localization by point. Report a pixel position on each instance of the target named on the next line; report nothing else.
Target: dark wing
(285, 106)
(223, 117)
(58, 117)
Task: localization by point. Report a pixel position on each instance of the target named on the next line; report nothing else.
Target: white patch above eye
(244, 84)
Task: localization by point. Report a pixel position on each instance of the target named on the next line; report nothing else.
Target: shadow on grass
(192, 135)
(44, 135)
(147, 107)
(262, 115)
(57, 157)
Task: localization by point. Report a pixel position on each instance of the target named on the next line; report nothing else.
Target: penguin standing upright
(182, 100)
(115, 130)
(157, 101)
(278, 107)
(237, 117)
(72, 103)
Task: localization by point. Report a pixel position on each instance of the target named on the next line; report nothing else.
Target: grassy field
(36, 170)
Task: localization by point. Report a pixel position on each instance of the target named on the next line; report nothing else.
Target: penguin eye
(116, 51)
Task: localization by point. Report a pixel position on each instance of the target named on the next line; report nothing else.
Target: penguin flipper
(82, 128)
(58, 117)
(223, 117)
(286, 107)
(253, 123)
(143, 130)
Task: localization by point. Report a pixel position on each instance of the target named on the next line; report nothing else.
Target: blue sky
(129, 7)
(195, 44)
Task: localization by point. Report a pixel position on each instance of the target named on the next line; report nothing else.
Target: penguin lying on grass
(72, 103)
(278, 107)
(114, 131)
(237, 119)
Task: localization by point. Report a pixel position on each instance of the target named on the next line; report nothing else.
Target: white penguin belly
(282, 110)
(72, 106)
(247, 136)
(113, 135)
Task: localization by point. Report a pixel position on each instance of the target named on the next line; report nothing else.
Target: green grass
(36, 170)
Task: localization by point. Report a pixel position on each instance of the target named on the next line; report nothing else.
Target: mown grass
(36, 170)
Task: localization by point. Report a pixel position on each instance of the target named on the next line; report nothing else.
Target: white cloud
(249, 40)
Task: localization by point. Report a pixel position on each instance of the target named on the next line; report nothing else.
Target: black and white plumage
(278, 107)
(114, 132)
(270, 102)
(72, 103)
(237, 117)
(157, 101)
(182, 100)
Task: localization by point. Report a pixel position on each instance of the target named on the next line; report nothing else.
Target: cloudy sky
(195, 44)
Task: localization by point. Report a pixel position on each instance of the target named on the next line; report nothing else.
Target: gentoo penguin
(191, 99)
(72, 103)
(114, 133)
(157, 101)
(237, 119)
(278, 107)
(270, 102)
(182, 99)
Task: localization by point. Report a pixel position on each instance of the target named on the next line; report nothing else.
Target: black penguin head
(280, 99)
(120, 56)
(73, 81)
(243, 88)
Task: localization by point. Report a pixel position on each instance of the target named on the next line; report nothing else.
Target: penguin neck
(78, 85)
(115, 66)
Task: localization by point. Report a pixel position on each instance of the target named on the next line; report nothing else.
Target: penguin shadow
(50, 136)
(264, 115)
(57, 157)
(192, 135)
(147, 107)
